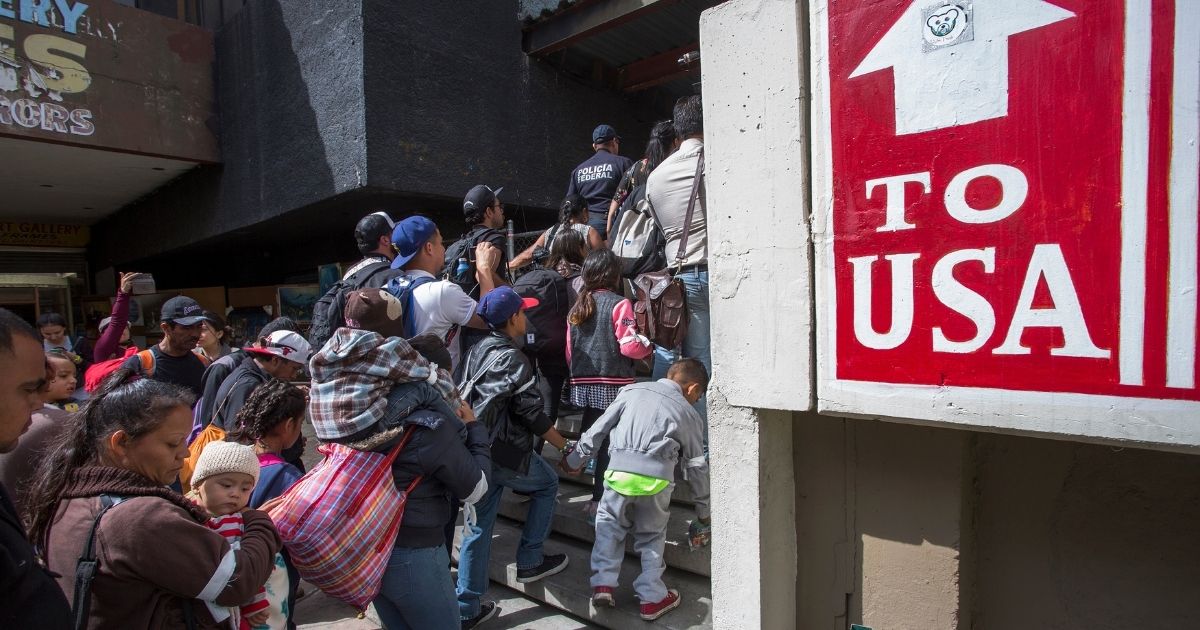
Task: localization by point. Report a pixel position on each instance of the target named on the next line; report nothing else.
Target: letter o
(1014, 189)
(26, 113)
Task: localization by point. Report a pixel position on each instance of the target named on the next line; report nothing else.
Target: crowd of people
(136, 483)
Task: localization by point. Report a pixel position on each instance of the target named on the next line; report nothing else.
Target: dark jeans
(551, 378)
(590, 415)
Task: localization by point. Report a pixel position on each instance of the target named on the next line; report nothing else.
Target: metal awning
(626, 45)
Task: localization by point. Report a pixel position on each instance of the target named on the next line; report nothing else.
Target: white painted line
(1184, 198)
(1135, 169)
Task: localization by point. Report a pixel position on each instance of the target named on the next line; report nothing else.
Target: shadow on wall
(914, 528)
(277, 153)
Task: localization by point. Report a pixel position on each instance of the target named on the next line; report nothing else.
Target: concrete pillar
(755, 109)
(754, 536)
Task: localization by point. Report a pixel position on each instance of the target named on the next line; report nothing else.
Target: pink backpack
(339, 521)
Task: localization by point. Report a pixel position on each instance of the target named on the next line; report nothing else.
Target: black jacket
(234, 391)
(29, 597)
(453, 457)
(505, 398)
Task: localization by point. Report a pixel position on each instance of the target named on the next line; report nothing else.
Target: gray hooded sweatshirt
(651, 426)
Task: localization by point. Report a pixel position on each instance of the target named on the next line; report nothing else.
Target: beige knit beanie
(225, 457)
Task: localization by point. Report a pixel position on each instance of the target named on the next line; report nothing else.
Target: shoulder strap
(203, 359)
(147, 359)
(464, 390)
(681, 253)
(88, 565)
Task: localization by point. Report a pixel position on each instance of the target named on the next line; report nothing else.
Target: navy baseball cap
(479, 198)
(408, 236)
(182, 310)
(604, 133)
(500, 304)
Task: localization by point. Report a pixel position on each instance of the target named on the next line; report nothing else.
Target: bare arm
(487, 258)
(526, 257)
(612, 214)
(594, 240)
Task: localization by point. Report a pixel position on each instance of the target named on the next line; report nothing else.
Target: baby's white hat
(225, 457)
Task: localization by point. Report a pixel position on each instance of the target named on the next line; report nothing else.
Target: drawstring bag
(339, 521)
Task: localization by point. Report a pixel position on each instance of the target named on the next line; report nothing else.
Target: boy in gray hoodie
(651, 427)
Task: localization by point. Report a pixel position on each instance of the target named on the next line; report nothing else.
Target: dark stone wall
(290, 101)
(331, 110)
(452, 101)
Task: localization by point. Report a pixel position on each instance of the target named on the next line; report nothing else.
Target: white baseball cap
(285, 344)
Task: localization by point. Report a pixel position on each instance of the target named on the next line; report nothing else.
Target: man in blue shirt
(597, 177)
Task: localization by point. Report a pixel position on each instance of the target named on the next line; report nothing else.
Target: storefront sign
(1010, 198)
(43, 234)
(105, 75)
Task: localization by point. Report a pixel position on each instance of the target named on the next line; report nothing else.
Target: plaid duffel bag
(339, 521)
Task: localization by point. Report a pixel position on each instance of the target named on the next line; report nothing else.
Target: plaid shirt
(353, 373)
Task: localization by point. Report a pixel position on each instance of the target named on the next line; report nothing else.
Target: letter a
(1048, 262)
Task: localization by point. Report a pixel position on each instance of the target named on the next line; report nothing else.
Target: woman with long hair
(603, 342)
(660, 145)
(102, 491)
(572, 216)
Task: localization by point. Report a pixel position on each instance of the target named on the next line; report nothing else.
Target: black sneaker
(550, 565)
(487, 610)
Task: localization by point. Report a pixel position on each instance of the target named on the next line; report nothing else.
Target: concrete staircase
(573, 534)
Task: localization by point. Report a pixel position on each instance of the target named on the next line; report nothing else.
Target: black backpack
(546, 333)
(464, 248)
(329, 312)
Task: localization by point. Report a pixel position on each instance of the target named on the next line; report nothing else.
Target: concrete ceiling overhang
(44, 181)
(627, 45)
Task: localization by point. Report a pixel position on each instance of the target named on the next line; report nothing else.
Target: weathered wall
(448, 108)
(1083, 537)
(289, 79)
(755, 118)
(879, 524)
(329, 111)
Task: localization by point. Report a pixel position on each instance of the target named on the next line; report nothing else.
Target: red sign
(1012, 196)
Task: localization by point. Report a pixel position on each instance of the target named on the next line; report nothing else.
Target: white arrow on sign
(956, 84)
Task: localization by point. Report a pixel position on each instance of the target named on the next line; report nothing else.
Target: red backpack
(94, 376)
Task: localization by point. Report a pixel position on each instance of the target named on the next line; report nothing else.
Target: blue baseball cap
(604, 133)
(408, 236)
(500, 304)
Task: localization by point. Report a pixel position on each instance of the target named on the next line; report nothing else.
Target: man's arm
(487, 259)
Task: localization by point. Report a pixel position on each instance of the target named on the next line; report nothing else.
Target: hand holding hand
(487, 257)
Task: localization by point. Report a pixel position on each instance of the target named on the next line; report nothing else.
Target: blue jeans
(542, 485)
(417, 592)
(697, 342)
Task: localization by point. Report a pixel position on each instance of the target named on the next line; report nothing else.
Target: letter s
(43, 49)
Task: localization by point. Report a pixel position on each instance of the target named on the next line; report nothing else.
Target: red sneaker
(652, 611)
(603, 596)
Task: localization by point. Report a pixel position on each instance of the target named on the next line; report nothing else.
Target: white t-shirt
(439, 306)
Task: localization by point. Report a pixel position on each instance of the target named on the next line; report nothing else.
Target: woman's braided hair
(270, 404)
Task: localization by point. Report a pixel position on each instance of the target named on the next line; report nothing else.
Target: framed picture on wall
(297, 301)
(327, 276)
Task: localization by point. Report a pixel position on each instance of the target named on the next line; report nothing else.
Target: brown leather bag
(660, 306)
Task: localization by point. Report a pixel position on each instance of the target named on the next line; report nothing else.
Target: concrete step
(570, 519)
(570, 590)
(318, 611)
(681, 496)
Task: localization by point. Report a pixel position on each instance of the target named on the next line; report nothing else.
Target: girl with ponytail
(572, 216)
(603, 342)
